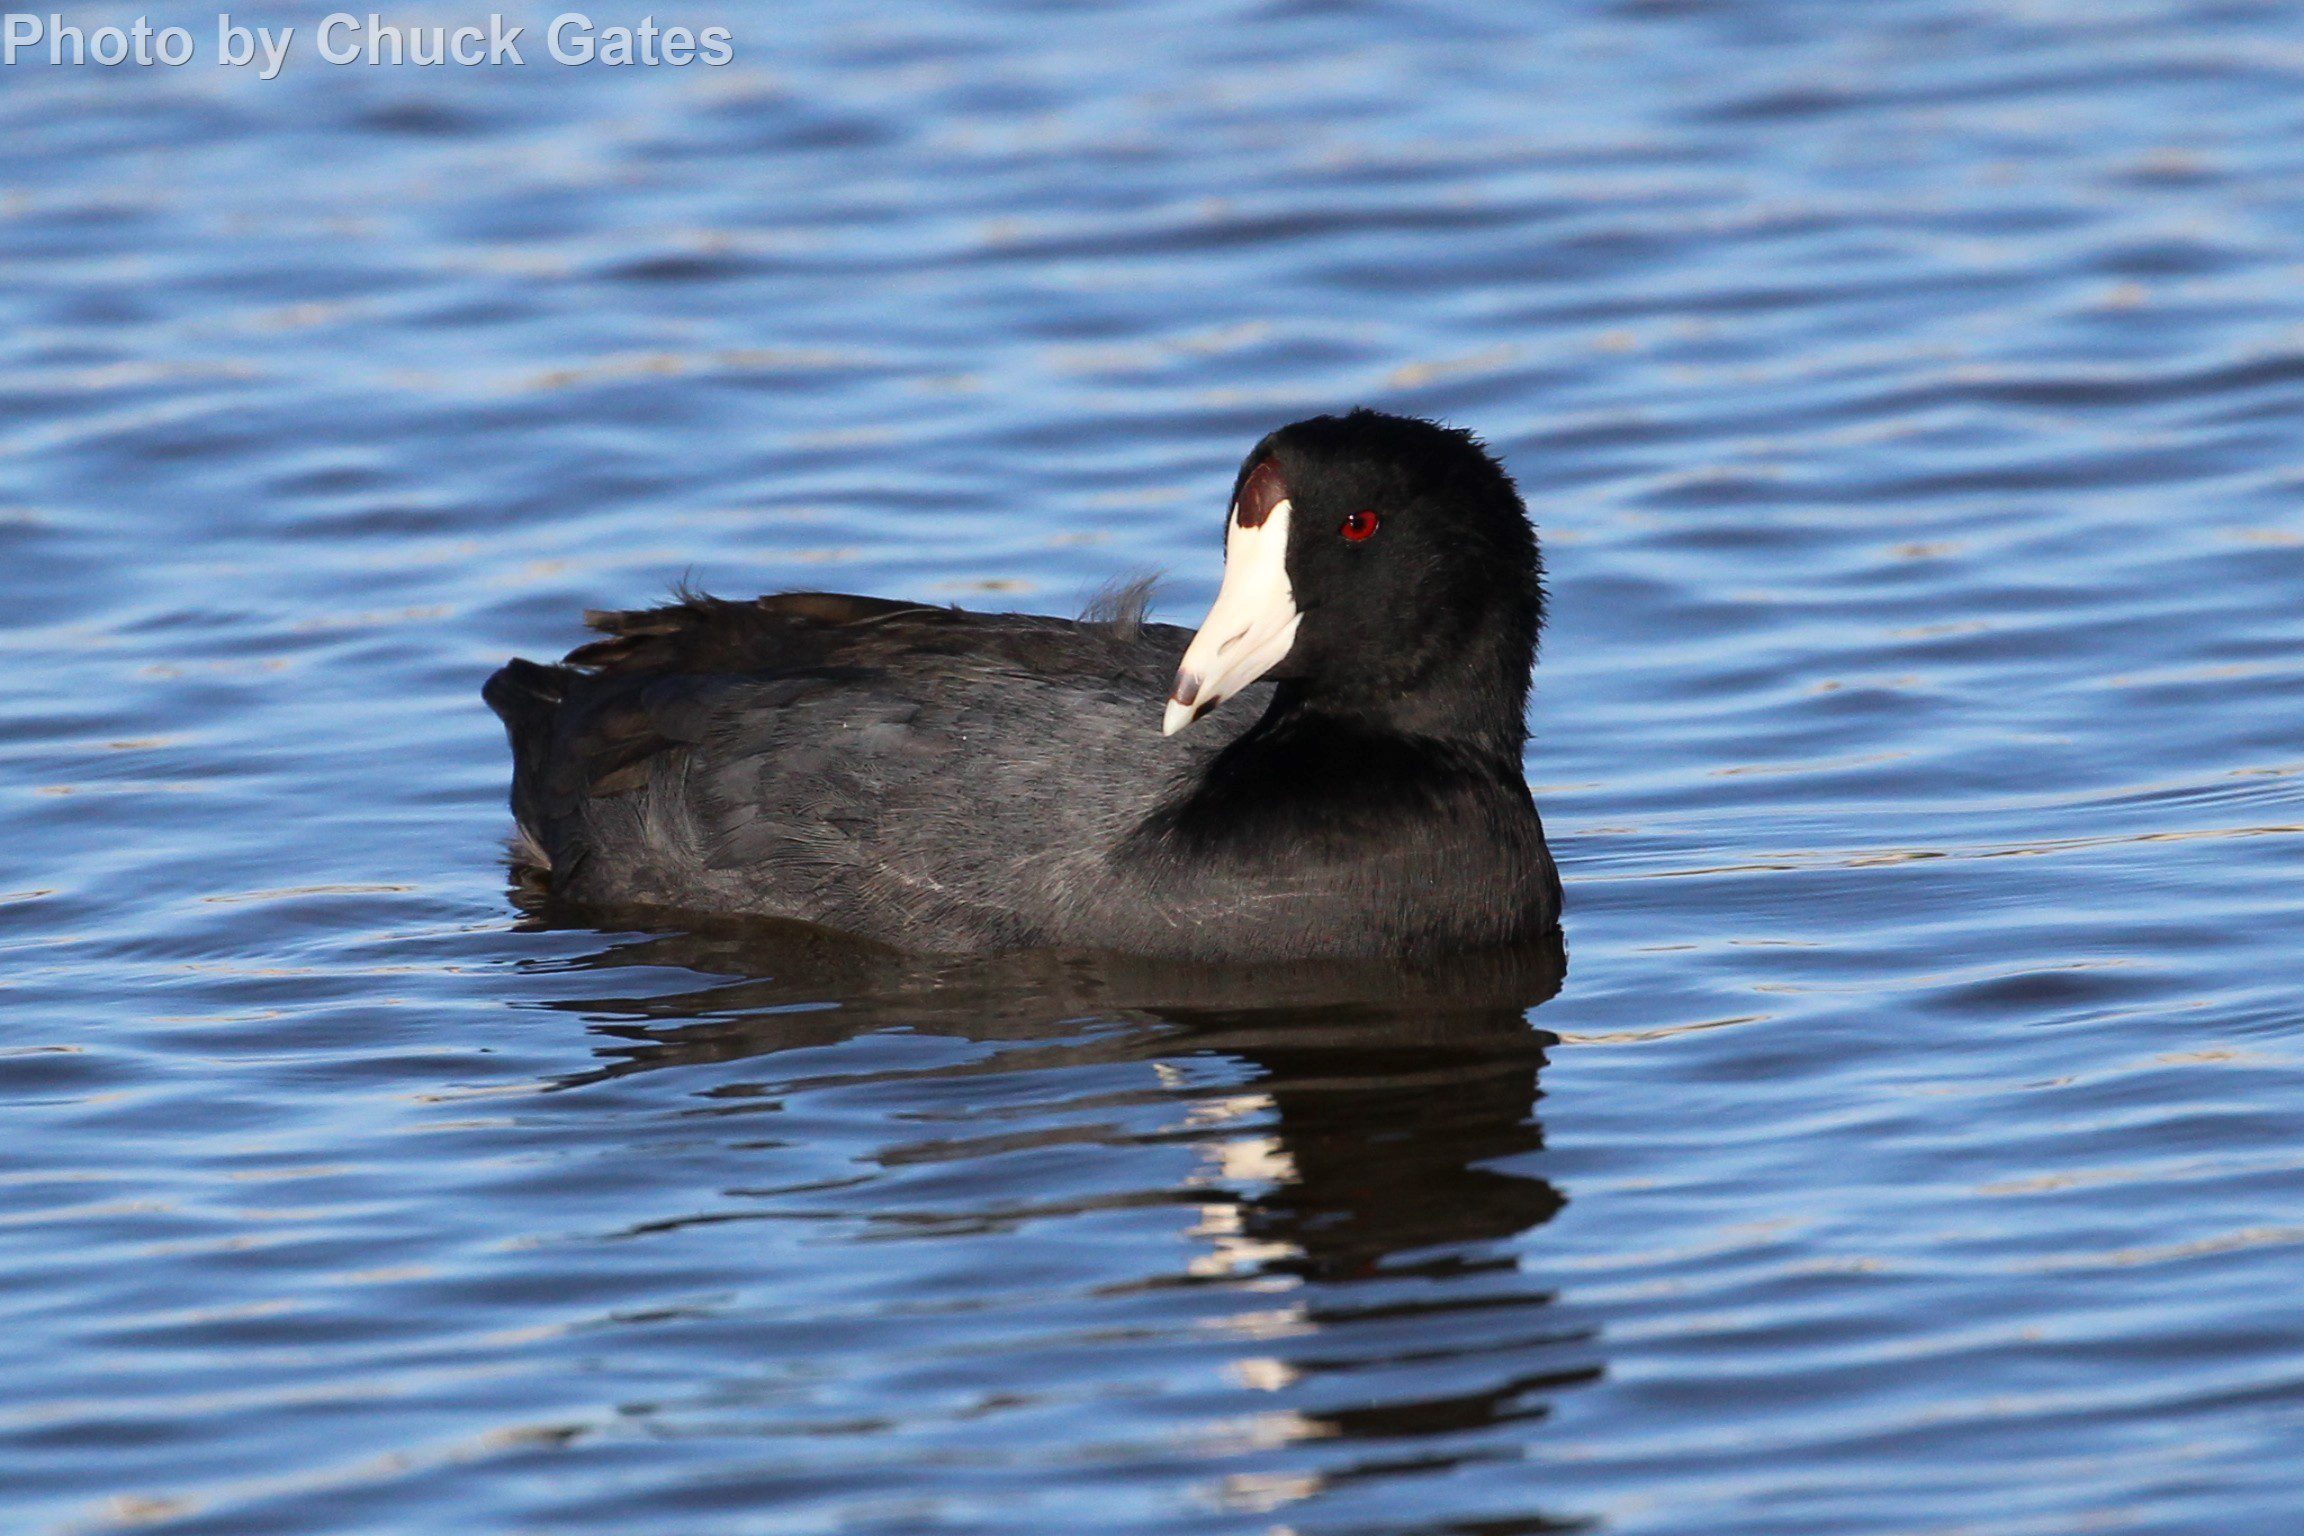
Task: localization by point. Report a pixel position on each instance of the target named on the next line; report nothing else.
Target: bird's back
(924, 776)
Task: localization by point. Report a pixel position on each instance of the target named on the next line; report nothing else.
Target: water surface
(1908, 397)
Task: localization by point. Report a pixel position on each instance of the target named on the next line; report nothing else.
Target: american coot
(951, 781)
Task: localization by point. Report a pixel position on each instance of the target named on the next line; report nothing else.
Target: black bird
(948, 781)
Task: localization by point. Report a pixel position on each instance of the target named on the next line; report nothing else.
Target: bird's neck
(1303, 767)
(1470, 706)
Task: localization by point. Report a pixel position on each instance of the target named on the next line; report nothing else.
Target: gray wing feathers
(925, 773)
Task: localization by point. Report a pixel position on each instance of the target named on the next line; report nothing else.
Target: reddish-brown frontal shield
(1263, 490)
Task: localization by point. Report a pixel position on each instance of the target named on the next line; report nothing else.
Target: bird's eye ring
(1359, 527)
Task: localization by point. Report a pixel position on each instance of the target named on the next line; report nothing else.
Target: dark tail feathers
(527, 697)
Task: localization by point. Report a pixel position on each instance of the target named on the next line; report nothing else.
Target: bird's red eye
(1360, 526)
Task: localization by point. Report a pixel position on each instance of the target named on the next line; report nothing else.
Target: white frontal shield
(1253, 623)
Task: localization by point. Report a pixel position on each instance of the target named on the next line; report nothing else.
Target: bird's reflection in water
(1356, 1131)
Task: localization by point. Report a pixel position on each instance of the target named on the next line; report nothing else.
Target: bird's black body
(949, 781)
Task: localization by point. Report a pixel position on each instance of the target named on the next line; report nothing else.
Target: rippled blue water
(1908, 395)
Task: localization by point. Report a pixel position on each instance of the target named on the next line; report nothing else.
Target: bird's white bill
(1248, 631)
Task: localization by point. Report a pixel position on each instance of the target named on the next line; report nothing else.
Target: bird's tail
(526, 697)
